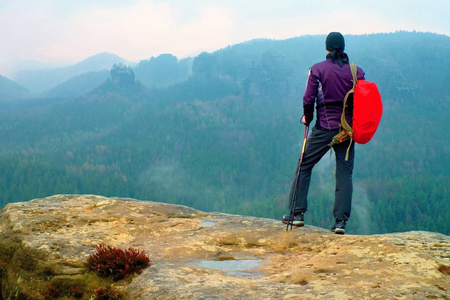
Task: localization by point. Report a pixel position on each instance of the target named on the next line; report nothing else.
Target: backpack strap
(346, 129)
(344, 123)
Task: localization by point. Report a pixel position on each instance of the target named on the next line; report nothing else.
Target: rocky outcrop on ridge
(197, 255)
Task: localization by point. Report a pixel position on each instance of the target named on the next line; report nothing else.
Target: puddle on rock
(208, 223)
(234, 267)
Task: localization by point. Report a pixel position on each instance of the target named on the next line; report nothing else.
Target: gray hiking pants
(316, 147)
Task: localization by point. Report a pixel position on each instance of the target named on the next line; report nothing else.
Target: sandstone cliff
(197, 255)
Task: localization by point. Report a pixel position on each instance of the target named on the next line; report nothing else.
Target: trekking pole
(294, 186)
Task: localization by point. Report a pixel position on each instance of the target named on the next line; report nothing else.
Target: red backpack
(367, 111)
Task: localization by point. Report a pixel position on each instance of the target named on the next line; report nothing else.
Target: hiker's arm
(360, 74)
(312, 84)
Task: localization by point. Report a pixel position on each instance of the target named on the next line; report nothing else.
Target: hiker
(326, 86)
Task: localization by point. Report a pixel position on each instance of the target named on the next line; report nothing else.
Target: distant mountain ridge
(11, 90)
(40, 80)
(79, 85)
(163, 70)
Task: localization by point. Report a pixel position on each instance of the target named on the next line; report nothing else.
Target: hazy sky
(63, 32)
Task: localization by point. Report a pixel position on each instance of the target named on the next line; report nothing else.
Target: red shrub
(52, 292)
(117, 263)
(75, 292)
(106, 294)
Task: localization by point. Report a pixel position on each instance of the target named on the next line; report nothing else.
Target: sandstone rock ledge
(48, 240)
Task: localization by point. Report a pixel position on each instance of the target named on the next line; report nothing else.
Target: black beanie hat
(335, 42)
(336, 45)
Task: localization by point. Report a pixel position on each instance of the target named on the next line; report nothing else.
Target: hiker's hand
(308, 114)
(305, 120)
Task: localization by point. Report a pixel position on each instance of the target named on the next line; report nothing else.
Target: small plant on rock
(116, 263)
(55, 292)
(52, 292)
(75, 292)
(106, 294)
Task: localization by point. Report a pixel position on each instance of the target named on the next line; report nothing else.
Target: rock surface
(197, 255)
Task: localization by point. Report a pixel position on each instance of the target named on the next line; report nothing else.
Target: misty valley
(221, 132)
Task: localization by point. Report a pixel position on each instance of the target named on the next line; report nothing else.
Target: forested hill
(11, 90)
(227, 138)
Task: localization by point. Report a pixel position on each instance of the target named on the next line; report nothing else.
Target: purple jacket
(326, 87)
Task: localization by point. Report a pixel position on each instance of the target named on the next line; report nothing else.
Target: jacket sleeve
(360, 74)
(309, 98)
